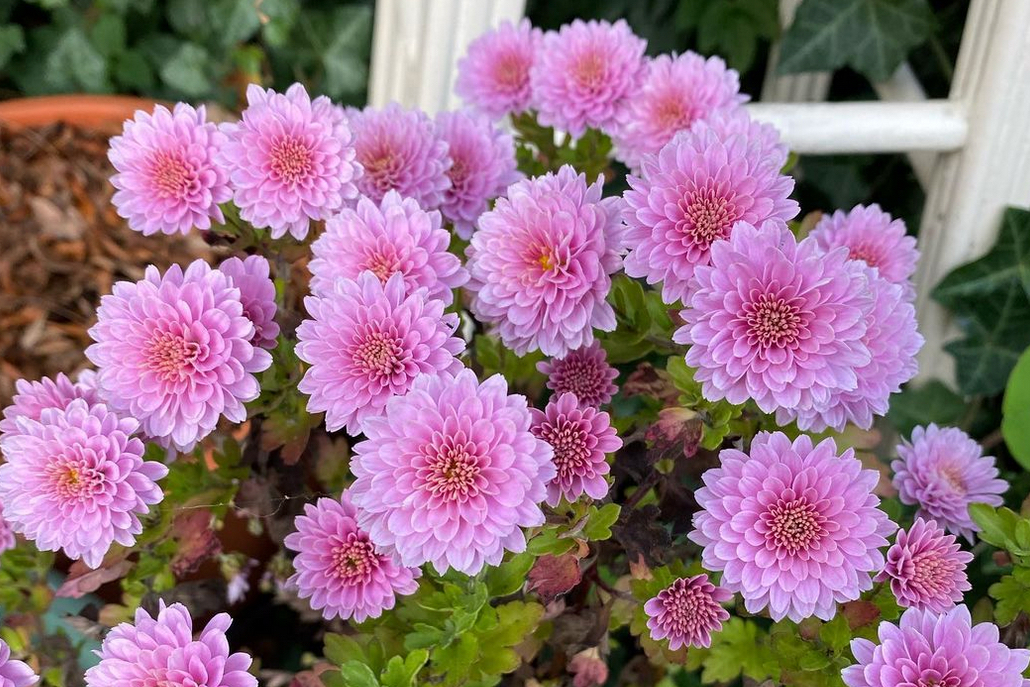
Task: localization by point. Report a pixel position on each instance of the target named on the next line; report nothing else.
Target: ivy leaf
(1012, 593)
(237, 20)
(346, 69)
(12, 42)
(919, 406)
(872, 36)
(1015, 424)
(1007, 262)
(188, 70)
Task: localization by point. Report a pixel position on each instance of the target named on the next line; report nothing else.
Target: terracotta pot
(87, 111)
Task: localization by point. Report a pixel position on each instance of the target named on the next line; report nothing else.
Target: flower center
(171, 356)
(172, 175)
(382, 169)
(354, 560)
(549, 260)
(671, 115)
(772, 321)
(458, 173)
(793, 525)
(706, 218)
(379, 354)
(290, 160)
(589, 71)
(930, 571)
(952, 474)
(933, 678)
(452, 471)
(383, 265)
(571, 455)
(511, 72)
(864, 252)
(689, 607)
(73, 480)
(581, 379)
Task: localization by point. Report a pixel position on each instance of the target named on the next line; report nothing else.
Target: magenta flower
(942, 470)
(291, 160)
(693, 193)
(687, 612)
(451, 473)
(6, 534)
(367, 342)
(257, 294)
(483, 166)
(175, 352)
(926, 649)
(14, 673)
(541, 263)
(395, 237)
(584, 372)
(168, 180)
(493, 76)
(793, 527)
(31, 398)
(339, 568)
(400, 151)
(675, 92)
(776, 321)
(162, 651)
(581, 439)
(584, 72)
(76, 481)
(926, 568)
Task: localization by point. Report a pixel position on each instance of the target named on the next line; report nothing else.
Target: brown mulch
(62, 246)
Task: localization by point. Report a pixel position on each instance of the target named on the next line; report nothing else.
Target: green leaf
(735, 649)
(508, 577)
(340, 649)
(1008, 261)
(599, 523)
(357, 674)
(1015, 424)
(108, 34)
(12, 42)
(548, 542)
(237, 20)
(188, 70)
(1012, 594)
(74, 57)
(456, 660)
(919, 406)
(997, 526)
(401, 672)
(344, 59)
(836, 633)
(281, 15)
(872, 36)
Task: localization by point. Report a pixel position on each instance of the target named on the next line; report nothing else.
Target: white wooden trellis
(970, 151)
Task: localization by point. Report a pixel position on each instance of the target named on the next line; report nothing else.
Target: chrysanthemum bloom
(396, 237)
(367, 342)
(14, 673)
(76, 480)
(400, 151)
(541, 263)
(687, 612)
(693, 193)
(589, 669)
(6, 533)
(175, 352)
(926, 568)
(581, 438)
(733, 121)
(942, 470)
(162, 651)
(31, 398)
(451, 473)
(291, 160)
(493, 76)
(893, 342)
(583, 73)
(584, 372)
(793, 527)
(257, 294)
(675, 92)
(926, 649)
(483, 166)
(339, 568)
(168, 180)
(777, 321)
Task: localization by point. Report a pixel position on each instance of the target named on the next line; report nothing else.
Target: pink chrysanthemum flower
(14, 673)
(693, 193)
(396, 237)
(893, 342)
(942, 470)
(541, 263)
(76, 481)
(290, 159)
(687, 612)
(451, 473)
(874, 237)
(31, 398)
(777, 321)
(367, 342)
(175, 352)
(162, 651)
(941, 650)
(793, 527)
(581, 439)
(736, 121)
(257, 294)
(399, 150)
(340, 569)
(168, 180)
(926, 568)
(493, 76)
(675, 92)
(6, 533)
(483, 166)
(584, 372)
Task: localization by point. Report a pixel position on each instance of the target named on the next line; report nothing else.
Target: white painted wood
(809, 87)
(972, 186)
(904, 87)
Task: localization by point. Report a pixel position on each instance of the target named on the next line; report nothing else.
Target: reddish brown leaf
(552, 576)
(82, 581)
(860, 613)
(676, 434)
(197, 540)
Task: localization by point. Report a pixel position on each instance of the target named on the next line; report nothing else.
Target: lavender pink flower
(493, 76)
(367, 342)
(584, 372)
(252, 277)
(291, 160)
(927, 648)
(581, 439)
(31, 398)
(793, 527)
(175, 352)
(451, 473)
(541, 263)
(167, 179)
(926, 568)
(687, 612)
(341, 570)
(14, 673)
(735, 121)
(395, 237)
(943, 470)
(75, 480)
(584, 72)
(6, 533)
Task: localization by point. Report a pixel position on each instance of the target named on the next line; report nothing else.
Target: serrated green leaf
(599, 523)
(401, 672)
(340, 649)
(1012, 594)
(737, 648)
(455, 662)
(357, 674)
(1015, 424)
(836, 633)
(548, 542)
(508, 577)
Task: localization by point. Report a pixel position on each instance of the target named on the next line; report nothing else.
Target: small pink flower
(926, 568)
(31, 398)
(589, 668)
(14, 673)
(584, 372)
(257, 293)
(687, 612)
(6, 533)
(493, 76)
